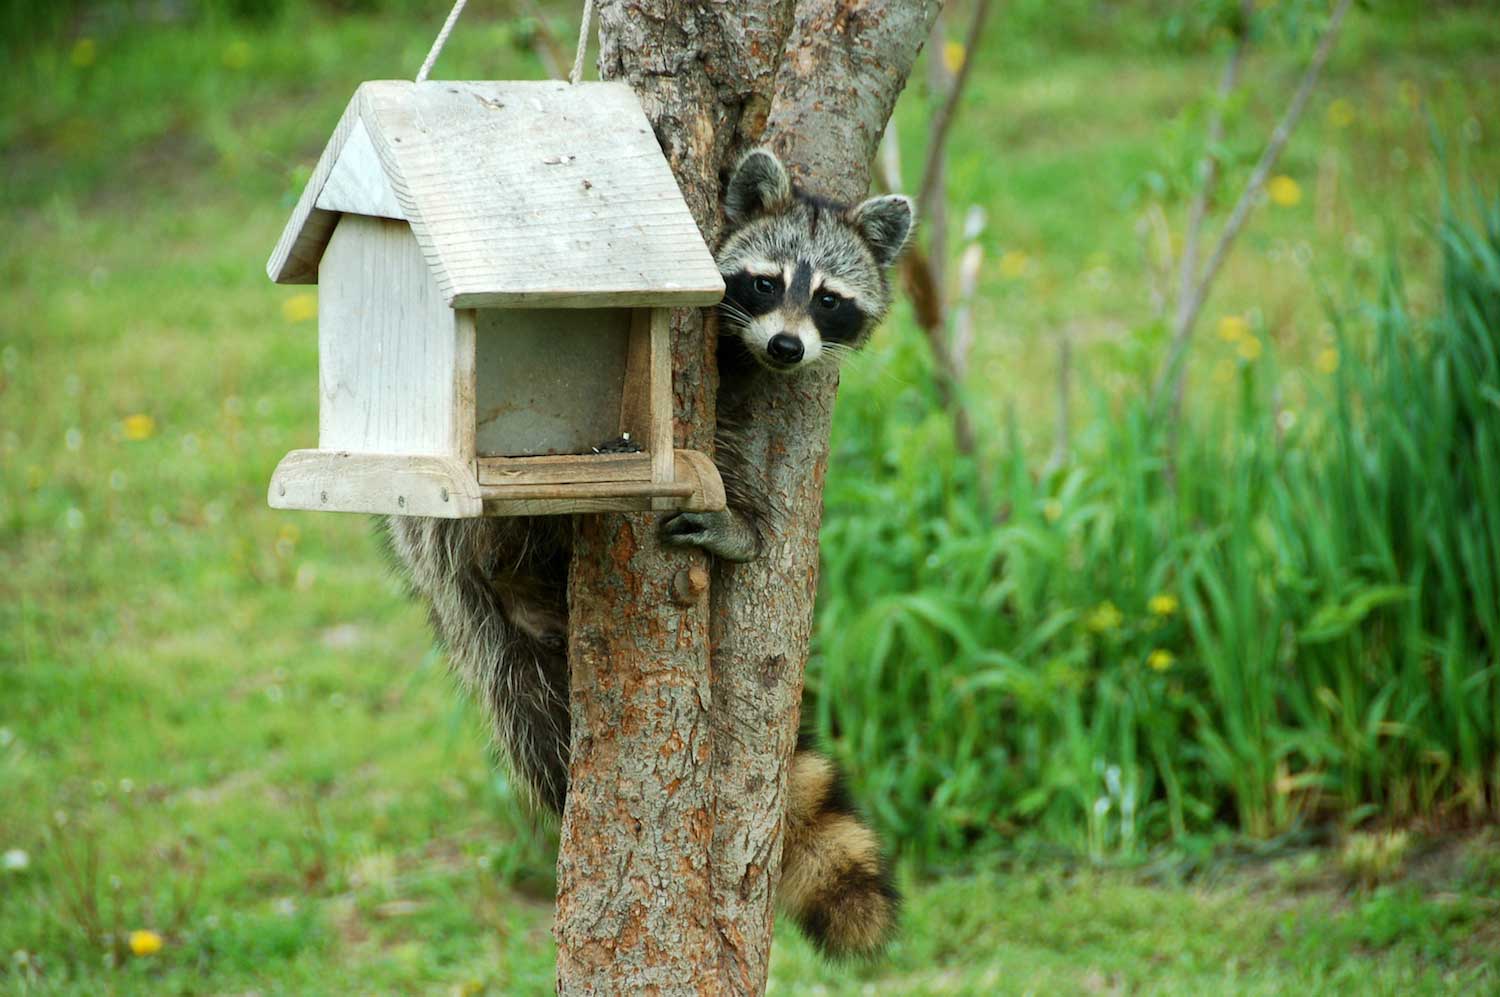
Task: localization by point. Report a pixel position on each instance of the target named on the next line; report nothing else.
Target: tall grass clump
(1303, 626)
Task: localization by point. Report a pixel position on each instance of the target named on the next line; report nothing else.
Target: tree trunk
(846, 63)
(671, 837)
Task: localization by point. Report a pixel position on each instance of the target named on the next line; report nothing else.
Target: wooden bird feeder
(495, 263)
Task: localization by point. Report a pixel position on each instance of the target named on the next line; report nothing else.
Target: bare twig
(888, 163)
(1190, 306)
(962, 338)
(932, 205)
(1156, 253)
(946, 323)
(1273, 150)
(1208, 167)
(943, 121)
(1062, 439)
(549, 51)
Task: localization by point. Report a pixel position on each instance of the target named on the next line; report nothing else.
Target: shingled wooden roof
(530, 193)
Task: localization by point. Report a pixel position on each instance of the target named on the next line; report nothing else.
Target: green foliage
(1307, 624)
(226, 725)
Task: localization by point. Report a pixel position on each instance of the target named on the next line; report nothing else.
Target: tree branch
(1191, 306)
(1208, 167)
(942, 122)
(1272, 154)
(544, 43)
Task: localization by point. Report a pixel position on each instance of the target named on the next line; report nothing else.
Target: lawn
(226, 725)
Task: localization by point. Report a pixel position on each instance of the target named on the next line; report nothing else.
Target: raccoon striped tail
(835, 881)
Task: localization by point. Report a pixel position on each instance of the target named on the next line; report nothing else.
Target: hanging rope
(583, 41)
(458, 8)
(441, 40)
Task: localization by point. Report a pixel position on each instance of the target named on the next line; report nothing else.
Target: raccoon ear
(886, 223)
(759, 184)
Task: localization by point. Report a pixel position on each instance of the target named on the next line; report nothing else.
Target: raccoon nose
(784, 348)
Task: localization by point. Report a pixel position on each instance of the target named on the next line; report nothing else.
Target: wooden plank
(442, 487)
(465, 385)
(564, 468)
(660, 428)
(563, 507)
(357, 184)
(708, 487)
(699, 488)
(524, 193)
(599, 296)
(539, 192)
(390, 366)
(592, 490)
(392, 484)
(635, 393)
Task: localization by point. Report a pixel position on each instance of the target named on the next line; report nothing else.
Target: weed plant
(1304, 625)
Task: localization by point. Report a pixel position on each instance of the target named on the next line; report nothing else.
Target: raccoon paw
(723, 534)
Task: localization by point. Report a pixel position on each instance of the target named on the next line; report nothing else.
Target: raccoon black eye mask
(806, 283)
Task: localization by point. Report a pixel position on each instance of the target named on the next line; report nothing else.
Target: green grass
(226, 724)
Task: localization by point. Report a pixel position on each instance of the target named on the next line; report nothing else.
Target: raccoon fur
(805, 284)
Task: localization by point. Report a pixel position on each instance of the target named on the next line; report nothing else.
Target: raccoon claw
(719, 533)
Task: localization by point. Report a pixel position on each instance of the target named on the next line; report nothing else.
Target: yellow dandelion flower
(953, 56)
(1340, 113)
(300, 307)
(1285, 192)
(1163, 604)
(1104, 617)
(1013, 263)
(237, 54)
(1327, 360)
(85, 52)
(144, 943)
(139, 426)
(1233, 328)
(1161, 659)
(1052, 510)
(1249, 348)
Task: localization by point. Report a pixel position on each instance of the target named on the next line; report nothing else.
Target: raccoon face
(804, 278)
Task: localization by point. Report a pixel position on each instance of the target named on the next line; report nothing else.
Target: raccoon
(805, 284)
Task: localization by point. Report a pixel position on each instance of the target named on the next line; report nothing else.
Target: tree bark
(635, 903)
(846, 63)
(671, 837)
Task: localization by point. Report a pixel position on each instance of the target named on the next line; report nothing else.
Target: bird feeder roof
(519, 194)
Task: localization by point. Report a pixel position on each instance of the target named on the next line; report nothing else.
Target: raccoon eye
(828, 301)
(765, 285)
